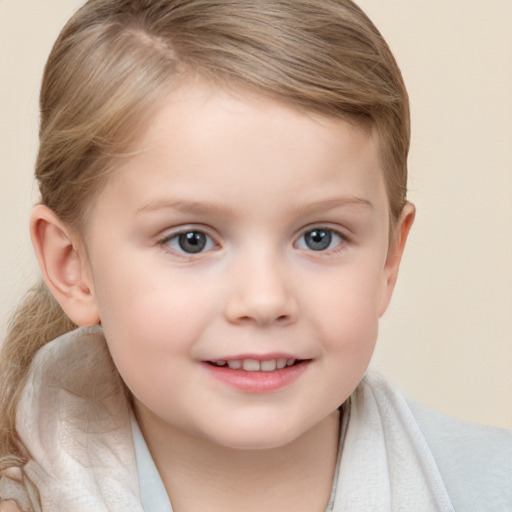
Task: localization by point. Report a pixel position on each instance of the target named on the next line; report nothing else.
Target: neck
(203, 476)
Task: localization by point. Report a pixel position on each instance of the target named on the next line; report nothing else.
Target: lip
(257, 357)
(258, 382)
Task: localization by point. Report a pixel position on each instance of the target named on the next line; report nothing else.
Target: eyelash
(203, 242)
(333, 236)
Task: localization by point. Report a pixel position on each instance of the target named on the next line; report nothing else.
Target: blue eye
(190, 242)
(319, 239)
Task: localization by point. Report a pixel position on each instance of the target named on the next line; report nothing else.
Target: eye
(189, 242)
(319, 239)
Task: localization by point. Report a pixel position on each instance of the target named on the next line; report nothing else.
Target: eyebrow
(189, 207)
(337, 202)
(207, 208)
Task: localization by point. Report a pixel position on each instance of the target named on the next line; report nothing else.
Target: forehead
(235, 146)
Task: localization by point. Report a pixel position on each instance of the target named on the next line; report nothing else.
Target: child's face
(243, 230)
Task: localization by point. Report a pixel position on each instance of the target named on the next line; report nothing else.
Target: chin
(264, 437)
(261, 443)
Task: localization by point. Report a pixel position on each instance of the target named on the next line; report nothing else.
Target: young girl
(223, 213)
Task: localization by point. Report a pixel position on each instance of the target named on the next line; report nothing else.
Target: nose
(261, 294)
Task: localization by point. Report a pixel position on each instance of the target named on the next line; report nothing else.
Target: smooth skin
(240, 226)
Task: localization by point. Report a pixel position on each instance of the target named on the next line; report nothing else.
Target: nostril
(264, 319)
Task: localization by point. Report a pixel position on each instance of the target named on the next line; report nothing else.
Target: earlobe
(395, 252)
(62, 266)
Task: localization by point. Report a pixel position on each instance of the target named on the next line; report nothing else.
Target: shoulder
(475, 461)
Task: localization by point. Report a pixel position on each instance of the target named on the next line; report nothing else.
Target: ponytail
(38, 320)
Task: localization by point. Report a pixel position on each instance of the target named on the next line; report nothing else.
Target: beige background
(447, 338)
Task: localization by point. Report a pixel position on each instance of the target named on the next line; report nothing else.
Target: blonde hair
(115, 59)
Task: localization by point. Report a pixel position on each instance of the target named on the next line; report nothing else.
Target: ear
(64, 268)
(395, 251)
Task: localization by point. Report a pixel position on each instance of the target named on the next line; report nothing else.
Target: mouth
(255, 365)
(256, 374)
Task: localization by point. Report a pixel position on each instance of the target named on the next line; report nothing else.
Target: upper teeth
(253, 365)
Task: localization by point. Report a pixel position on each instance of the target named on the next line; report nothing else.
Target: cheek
(152, 315)
(347, 302)
(347, 320)
(148, 336)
